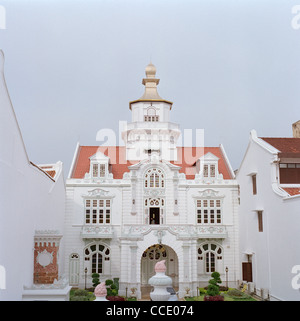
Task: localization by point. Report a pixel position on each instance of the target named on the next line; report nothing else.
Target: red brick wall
(47, 274)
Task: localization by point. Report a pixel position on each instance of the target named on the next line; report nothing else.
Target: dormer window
(99, 165)
(99, 170)
(208, 166)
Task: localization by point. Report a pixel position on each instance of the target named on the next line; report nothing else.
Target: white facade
(31, 201)
(269, 218)
(125, 213)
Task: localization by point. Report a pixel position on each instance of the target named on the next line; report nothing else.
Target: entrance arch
(152, 255)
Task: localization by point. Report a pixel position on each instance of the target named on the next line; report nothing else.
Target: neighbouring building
(32, 205)
(269, 179)
(128, 207)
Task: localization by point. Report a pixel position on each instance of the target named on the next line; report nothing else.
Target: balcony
(97, 231)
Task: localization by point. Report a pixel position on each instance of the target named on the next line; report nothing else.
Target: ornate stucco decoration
(208, 193)
(98, 193)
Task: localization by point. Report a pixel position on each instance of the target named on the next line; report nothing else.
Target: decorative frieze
(97, 232)
(181, 231)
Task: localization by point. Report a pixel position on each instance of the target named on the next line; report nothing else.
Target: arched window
(95, 256)
(151, 115)
(210, 253)
(155, 252)
(154, 177)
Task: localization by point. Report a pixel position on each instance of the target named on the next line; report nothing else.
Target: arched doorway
(152, 255)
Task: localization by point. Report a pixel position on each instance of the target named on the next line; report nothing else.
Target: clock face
(44, 258)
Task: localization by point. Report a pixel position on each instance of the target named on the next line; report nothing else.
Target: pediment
(209, 157)
(99, 156)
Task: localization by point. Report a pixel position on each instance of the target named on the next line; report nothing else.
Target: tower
(150, 131)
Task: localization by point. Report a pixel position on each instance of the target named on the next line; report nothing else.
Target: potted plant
(133, 292)
(187, 292)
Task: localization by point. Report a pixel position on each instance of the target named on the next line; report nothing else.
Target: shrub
(202, 291)
(80, 292)
(95, 279)
(109, 282)
(81, 295)
(213, 298)
(223, 288)
(235, 292)
(112, 289)
(115, 298)
(213, 287)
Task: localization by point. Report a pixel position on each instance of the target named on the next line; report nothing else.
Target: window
(210, 253)
(151, 115)
(260, 221)
(154, 177)
(97, 211)
(97, 263)
(99, 170)
(209, 170)
(209, 211)
(95, 170)
(289, 173)
(94, 255)
(254, 184)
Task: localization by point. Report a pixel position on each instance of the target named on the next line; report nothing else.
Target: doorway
(247, 271)
(154, 217)
(152, 255)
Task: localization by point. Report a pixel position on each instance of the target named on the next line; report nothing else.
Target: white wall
(29, 200)
(276, 249)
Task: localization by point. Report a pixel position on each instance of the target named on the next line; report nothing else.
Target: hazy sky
(72, 67)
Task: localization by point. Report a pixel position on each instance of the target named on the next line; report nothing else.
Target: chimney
(296, 129)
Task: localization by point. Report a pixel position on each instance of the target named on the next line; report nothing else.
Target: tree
(95, 279)
(213, 287)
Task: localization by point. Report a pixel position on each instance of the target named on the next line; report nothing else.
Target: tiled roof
(292, 190)
(187, 157)
(288, 147)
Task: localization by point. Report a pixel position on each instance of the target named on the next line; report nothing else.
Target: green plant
(213, 287)
(112, 289)
(235, 292)
(202, 291)
(95, 279)
(81, 295)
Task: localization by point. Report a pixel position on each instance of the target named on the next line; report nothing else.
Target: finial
(160, 266)
(100, 290)
(150, 70)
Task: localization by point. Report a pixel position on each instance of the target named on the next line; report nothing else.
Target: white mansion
(128, 207)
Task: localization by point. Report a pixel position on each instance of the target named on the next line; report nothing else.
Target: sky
(228, 66)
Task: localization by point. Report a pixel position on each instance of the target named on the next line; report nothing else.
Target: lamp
(226, 270)
(85, 272)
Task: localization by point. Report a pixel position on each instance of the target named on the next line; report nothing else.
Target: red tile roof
(292, 190)
(288, 147)
(187, 157)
